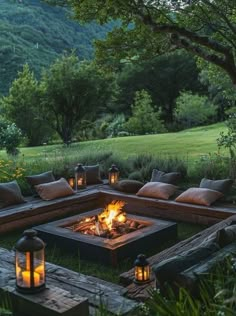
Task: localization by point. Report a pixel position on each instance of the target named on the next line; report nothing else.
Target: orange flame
(113, 211)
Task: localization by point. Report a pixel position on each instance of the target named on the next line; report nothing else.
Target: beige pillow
(200, 196)
(53, 190)
(157, 190)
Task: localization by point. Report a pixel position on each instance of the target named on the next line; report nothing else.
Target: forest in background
(35, 33)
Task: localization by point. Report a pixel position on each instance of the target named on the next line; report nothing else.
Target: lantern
(113, 175)
(141, 270)
(71, 182)
(80, 177)
(30, 263)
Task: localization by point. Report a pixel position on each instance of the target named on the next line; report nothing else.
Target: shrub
(193, 110)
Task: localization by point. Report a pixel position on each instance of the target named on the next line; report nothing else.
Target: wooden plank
(97, 291)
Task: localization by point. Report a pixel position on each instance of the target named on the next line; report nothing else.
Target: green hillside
(35, 33)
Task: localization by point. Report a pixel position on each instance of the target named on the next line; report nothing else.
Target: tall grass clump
(216, 296)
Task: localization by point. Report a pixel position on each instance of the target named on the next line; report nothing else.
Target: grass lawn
(107, 273)
(188, 144)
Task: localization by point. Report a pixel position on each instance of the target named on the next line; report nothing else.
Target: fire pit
(108, 235)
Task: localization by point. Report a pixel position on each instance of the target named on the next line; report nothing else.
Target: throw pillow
(157, 190)
(53, 190)
(128, 186)
(93, 174)
(199, 196)
(227, 235)
(36, 179)
(222, 186)
(10, 193)
(160, 176)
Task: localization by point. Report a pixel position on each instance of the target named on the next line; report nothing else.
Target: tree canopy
(148, 28)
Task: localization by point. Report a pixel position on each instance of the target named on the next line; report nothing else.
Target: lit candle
(112, 179)
(40, 269)
(80, 181)
(71, 182)
(26, 278)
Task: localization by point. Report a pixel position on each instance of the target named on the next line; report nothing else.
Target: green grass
(189, 144)
(54, 255)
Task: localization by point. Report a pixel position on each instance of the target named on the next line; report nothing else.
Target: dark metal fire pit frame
(107, 251)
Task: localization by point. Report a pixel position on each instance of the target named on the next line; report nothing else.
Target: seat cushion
(44, 177)
(53, 190)
(157, 190)
(10, 194)
(222, 186)
(93, 174)
(199, 196)
(129, 186)
(160, 176)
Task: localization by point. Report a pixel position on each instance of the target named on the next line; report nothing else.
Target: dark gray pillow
(36, 179)
(93, 174)
(160, 176)
(227, 235)
(222, 186)
(10, 194)
(129, 186)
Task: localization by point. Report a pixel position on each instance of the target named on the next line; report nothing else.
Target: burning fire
(110, 223)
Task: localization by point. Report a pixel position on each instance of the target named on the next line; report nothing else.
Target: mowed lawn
(190, 144)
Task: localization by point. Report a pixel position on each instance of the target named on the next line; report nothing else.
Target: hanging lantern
(71, 182)
(141, 270)
(30, 263)
(113, 175)
(80, 177)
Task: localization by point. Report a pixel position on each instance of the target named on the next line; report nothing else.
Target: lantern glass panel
(80, 177)
(30, 269)
(113, 175)
(142, 274)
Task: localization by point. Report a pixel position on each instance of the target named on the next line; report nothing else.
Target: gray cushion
(222, 186)
(53, 190)
(160, 176)
(128, 186)
(36, 179)
(93, 174)
(10, 194)
(157, 190)
(227, 235)
(199, 196)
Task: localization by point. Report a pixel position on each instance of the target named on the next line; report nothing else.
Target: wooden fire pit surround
(74, 289)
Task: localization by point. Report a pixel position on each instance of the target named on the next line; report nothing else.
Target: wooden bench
(36, 211)
(97, 291)
(142, 292)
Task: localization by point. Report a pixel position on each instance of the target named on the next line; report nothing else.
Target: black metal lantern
(80, 177)
(113, 175)
(141, 270)
(30, 263)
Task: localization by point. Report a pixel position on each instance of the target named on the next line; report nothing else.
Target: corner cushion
(128, 186)
(160, 176)
(10, 194)
(93, 174)
(222, 186)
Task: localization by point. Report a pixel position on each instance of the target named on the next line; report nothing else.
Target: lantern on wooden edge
(71, 182)
(80, 177)
(113, 175)
(141, 270)
(30, 263)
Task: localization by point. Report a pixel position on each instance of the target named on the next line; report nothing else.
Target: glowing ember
(112, 222)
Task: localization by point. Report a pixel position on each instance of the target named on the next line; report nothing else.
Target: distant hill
(35, 33)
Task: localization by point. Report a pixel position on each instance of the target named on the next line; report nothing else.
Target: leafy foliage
(193, 110)
(144, 118)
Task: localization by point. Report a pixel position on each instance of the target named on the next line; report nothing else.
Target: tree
(10, 137)
(73, 93)
(150, 27)
(193, 110)
(144, 118)
(22, 106)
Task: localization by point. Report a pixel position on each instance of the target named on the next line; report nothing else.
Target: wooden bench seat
(142, 292)
(36, 211)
